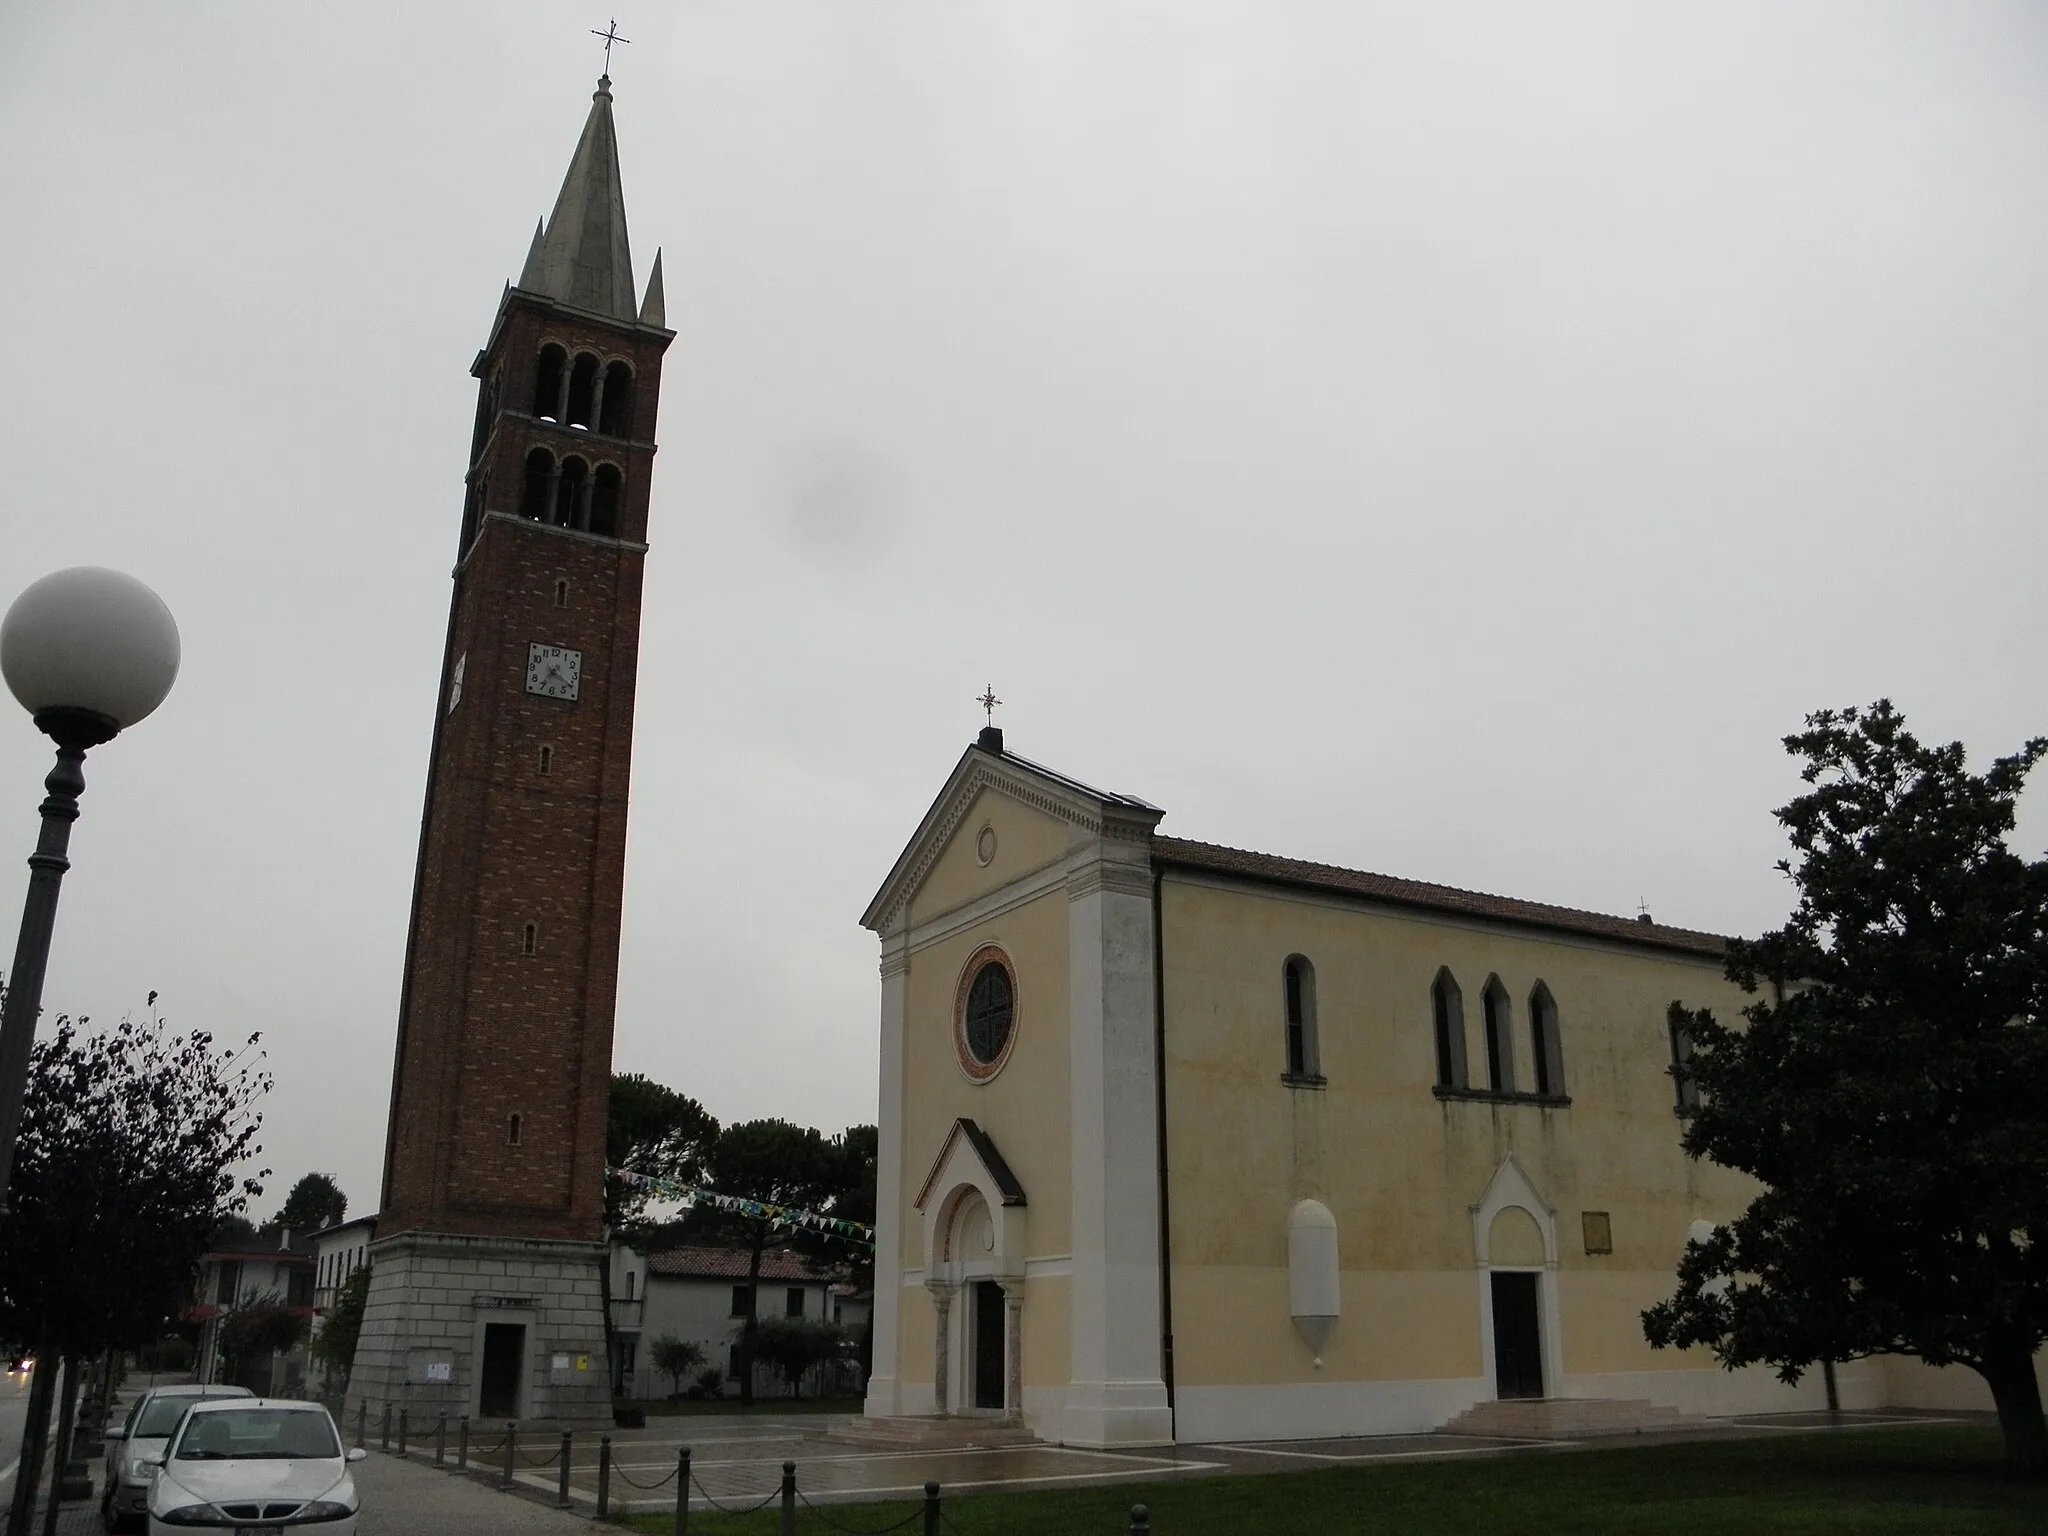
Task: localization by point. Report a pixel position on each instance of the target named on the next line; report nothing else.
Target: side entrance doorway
(988, 1344)
(1517, 1335)
(504, 1353)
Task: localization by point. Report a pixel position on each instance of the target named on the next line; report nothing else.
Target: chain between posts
(855, 1530)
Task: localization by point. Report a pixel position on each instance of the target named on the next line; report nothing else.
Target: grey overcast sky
(1456, 440)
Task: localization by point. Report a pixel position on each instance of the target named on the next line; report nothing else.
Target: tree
(334, 1346)
(794, 1344)
(676, 1358)
(315, 1202)
(1886, 1089)
(649, 1128)
(777, 1163)
(251, 1332)
(130, 1140)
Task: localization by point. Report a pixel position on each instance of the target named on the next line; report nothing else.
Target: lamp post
(88, 652)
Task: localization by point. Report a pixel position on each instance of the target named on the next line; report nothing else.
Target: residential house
(264, 1271)
(699, 1294)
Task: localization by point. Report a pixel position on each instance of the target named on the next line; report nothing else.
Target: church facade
(1180, 1142)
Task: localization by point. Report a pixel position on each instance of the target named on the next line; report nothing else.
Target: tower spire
(583, 258)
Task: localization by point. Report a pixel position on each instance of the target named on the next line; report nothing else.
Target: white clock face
(553, 671)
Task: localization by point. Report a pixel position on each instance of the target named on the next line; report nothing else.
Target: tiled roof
(1179, 853)
(731, 1264)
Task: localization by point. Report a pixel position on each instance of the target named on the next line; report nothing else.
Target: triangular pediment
(984, 772)
(967, 1143)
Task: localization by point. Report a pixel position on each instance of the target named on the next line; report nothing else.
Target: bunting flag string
(857, 1233)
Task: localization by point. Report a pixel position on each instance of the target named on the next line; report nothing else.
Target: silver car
(139, 1440)
(260, 1467)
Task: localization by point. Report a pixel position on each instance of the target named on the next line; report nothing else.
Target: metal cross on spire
(988, 701)
(610, 35)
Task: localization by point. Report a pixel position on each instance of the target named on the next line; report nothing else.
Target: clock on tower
(485, 1285)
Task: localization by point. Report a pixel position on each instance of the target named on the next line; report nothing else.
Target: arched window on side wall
(1447, 1005)
(569, 494)
(540, 477)
(615, 416)
(1500, 1037)
(582, 389)
(547, 383)
(1546, 1049)
(1298, 985)
(1683, 1082)
(604, 501)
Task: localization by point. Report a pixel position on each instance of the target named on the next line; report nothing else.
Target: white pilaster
(885, 1397)
(1117, 1395)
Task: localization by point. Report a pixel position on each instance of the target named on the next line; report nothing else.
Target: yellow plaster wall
(1231, 1327)
(1048, 1353)
(1400, 1169)
(1026, 841)
(916, 1334)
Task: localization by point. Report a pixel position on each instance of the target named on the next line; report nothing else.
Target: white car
(255, 1466)
(135, 1448)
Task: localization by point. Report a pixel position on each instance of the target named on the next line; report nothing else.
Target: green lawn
(1877, 1481)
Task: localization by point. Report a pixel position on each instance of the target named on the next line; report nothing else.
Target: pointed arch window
(1447, 1006)
(1683, 1083)
(547, 382)
(615, 414)
(1546, 1049)
(1298, 994)
(1500, 1037)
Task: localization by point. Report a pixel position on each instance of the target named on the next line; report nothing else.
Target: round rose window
(987, 1016)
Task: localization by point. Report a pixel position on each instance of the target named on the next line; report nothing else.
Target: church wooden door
(988, 1344)
(1517, 1335)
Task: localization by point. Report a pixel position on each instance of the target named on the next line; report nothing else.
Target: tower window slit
(562, 593)
(530, 939)
(513, 1126)
(547, 759)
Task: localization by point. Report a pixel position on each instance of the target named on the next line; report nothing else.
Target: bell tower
(484, 1290)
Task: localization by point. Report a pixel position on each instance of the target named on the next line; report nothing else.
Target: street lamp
(88, 652)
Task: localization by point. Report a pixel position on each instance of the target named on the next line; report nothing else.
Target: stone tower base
(493, 1327)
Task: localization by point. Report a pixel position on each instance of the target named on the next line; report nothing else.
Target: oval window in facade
(985, 1021)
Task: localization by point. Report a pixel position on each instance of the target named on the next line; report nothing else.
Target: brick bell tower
(484, 1286)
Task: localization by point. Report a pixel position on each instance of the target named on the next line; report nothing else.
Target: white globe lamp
(88, 652)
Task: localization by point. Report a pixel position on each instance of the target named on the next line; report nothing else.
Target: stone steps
(1569, 1418)
(925, 1434)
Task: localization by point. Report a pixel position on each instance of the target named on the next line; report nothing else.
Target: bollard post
(562, 1486)
(1141, 1520)
(789, 1498)
(462, 1447)
(384, 1434)
(363, 1422)
(511, 1450)
(401, 1431)
(683, 1491)
(931, 1509)
(604, 1477)
(441, 1441)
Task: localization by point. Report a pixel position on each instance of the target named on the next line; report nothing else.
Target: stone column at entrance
(942, 1365)
(1013, 1351)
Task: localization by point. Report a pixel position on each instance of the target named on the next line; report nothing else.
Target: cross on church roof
(610, 35)
(988, 701)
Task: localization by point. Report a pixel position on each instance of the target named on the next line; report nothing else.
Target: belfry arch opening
(615, 415)
(605, 488)
(547, 383)
(582, 390)
(539, 481)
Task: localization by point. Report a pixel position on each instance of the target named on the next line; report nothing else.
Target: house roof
(705, 1263)
(1212, 858)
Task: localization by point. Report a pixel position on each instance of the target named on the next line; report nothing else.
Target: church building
(1185, 1143)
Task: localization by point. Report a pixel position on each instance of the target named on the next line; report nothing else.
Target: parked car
(131, 1449)
(258, 1465)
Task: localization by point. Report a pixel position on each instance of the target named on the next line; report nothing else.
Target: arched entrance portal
(974, 1269)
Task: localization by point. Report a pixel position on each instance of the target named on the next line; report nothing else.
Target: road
(13, 1415)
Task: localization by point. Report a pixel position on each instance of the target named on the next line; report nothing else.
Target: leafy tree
(676, 1358)
(649, 1128)
(334, 1346)
(254, 1330)
(777, 1163)
(232, 1233)
(315, 1202)
(1887, 1087)
(794, 1344)
(130, 1138)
